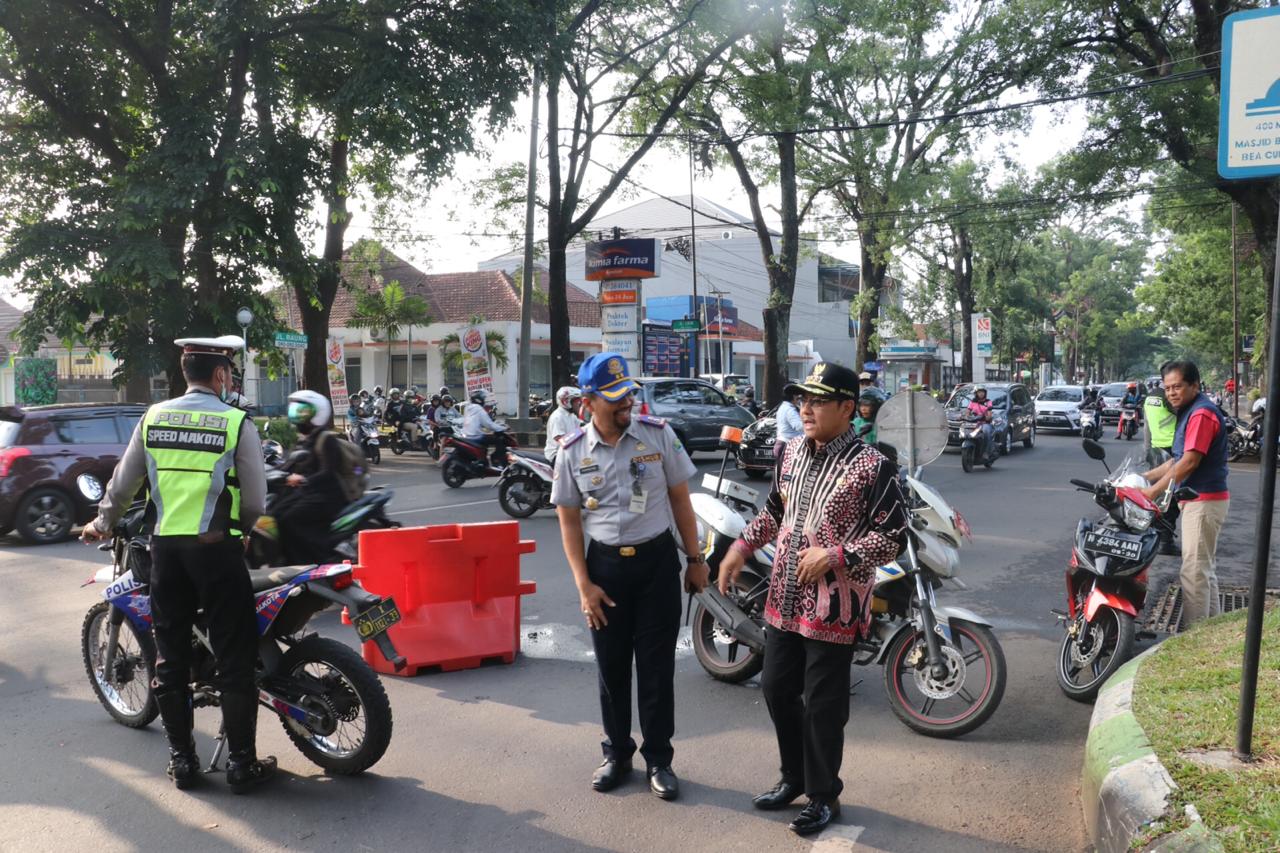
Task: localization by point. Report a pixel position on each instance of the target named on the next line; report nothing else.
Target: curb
(1125, 788)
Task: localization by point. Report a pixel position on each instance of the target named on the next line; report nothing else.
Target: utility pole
(526, 280)
(693, 254)
(1235, 320)
(718, 293)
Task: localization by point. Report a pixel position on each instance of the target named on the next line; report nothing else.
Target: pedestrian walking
(836, 512)
(202, 462)
(1199, 462)
(622, 481)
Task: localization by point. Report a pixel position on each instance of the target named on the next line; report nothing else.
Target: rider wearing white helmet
(563, 421)
(315, 496)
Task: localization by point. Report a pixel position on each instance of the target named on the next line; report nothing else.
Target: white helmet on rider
(566, 395)
(309, 410)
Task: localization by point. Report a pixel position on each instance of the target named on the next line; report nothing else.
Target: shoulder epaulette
(569, 439)
(652, 421)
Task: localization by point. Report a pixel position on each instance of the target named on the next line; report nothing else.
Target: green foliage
(36, 381)
(280, 430)
(388, 310)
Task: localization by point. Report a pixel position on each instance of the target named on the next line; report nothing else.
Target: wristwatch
(694, 559)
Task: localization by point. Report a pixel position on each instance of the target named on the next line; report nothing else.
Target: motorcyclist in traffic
(479, 427)
(1132, 399)
(379, 400)
(408, 419)
(983, 409)
(431, 408)
(315, 495)
(446, 413)
(563, 421)
(864, 422)
(391, 414)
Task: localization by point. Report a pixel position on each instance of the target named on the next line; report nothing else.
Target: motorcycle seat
(529, 454)
(265, 579)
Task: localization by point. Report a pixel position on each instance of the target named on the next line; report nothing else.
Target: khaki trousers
(1201, 524)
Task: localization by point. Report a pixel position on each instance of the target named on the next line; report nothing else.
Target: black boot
(240, 718)
(177, 717)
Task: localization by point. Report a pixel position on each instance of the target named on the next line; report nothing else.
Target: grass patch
(1186, 698)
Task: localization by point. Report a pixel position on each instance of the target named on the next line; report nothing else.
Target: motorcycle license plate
(377, 619)
(1112, 544)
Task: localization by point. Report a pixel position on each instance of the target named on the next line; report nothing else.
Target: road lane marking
(438, 508)
(840, 838)
(559, 641)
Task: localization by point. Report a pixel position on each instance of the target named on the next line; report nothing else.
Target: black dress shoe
(663, 783)
(780, 795)
(610, 774)
(815, 817)
(183, 769)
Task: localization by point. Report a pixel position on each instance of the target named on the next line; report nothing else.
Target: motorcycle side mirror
(1094, 450)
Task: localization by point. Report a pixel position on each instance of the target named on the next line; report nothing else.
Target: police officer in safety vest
(622, 481)
(1162, 426)
(202, 461)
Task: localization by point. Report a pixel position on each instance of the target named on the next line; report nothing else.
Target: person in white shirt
(789, 425)
(563, 421)
(479, 427)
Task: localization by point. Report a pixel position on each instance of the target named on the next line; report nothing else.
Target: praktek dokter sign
(630, 258)
(1249, 120)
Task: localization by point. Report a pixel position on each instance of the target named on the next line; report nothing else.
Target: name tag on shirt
(638, 503)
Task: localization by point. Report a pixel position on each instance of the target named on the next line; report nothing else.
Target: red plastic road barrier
(457, 587)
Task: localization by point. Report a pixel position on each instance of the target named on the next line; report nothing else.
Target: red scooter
(470, 460)
(1107, 577)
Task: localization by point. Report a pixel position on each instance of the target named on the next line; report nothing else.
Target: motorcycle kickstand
(220, 744)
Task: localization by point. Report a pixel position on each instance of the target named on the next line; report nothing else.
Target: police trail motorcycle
(944, 670)
(330, 702)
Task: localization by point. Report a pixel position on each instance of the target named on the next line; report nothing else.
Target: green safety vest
(191, 464)
(1161, 423)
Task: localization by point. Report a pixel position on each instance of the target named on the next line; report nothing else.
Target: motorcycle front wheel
(723, 657)
(1084, 666)
(1235, 447)
(338, 681)
(957, 704)
(519, 497)
(966, 459)
(454, 474)
(397, 447)
(126, 691)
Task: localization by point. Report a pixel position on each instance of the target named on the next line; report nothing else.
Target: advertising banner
(475, 360)
(630, 258)
(982, 334)
(335, 356)
(619, 318)
(620, 293)
(664, 353)
(625, 344)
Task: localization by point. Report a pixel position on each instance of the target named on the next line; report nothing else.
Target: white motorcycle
(944, 670)
(525, 484)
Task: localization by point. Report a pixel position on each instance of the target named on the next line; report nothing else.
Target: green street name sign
(685, 326)
(291, 340)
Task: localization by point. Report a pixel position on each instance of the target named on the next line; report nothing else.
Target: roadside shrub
(279, 429)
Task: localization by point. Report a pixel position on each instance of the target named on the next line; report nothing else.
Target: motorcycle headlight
(1137, 518)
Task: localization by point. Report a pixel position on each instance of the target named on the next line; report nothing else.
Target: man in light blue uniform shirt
(622, 482)
(789, 425)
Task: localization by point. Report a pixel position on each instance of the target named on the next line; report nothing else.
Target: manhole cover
(1164, 615)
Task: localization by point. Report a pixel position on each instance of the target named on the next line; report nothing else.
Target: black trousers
(806, 686)
(643, 625)
(186, 576)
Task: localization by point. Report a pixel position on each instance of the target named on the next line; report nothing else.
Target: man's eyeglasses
(817, 402)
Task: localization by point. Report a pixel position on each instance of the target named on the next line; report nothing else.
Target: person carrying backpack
(322, 480)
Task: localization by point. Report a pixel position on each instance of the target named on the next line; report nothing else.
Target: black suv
(696, 409)
(1013, 413)
(44, 450)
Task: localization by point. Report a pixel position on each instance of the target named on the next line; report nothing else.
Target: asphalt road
(500, 757)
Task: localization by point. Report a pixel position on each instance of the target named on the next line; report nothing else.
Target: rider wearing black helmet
(864, 421)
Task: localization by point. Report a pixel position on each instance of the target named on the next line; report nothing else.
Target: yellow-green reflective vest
(1161, 423)
(191, 459)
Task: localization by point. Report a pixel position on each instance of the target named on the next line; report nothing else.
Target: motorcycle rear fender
(716, 515)
(357, 599)
(1106, 598)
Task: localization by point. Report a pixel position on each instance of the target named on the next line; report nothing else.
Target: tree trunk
(557, 241)
(962, 277)
(874, 273)
(315, 319)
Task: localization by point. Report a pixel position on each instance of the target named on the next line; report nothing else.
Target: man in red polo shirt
(1199, 461)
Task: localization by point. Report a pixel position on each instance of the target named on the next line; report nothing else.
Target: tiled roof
(450, 297)
(10, 317)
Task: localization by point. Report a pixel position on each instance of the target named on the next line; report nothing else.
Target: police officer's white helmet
(309, 407)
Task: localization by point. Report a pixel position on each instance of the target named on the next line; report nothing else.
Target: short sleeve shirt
(601, 480)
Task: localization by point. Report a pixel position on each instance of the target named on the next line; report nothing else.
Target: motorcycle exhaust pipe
(731, 618)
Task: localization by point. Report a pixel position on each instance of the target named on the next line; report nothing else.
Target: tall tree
(890, 104)
(641, 53)
(388, 310)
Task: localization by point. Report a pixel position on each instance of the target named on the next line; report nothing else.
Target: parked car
(44, 450)
(1013, 413)
(1058, 407)
(755, 453)
(730, 383)
(696, 409)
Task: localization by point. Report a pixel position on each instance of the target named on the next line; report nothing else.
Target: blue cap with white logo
(606, 374)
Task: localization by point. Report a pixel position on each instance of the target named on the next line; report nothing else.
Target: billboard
(665, 352)
(629, 258)
(475, 360)
(335, 357)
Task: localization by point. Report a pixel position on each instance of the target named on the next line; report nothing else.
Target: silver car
(1058, 407)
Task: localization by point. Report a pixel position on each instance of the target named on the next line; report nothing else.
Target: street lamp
(245, 318)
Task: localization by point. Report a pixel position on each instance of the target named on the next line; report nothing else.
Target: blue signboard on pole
(1249, 115)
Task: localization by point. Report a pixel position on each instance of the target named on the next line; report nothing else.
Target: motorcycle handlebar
(1081, 484)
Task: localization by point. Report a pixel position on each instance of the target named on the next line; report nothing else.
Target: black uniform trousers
(186, 576)
(806, 686)
(643, 625)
